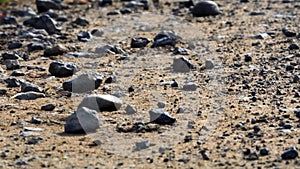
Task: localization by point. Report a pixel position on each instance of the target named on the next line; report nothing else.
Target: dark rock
(84, 120)
(181, 64)
(290, 153)
(103, 3)
(139, 42)
(160, 116)
(29, 96)
(26, 87)
(165, 38)
(61, 69)
(48, 107)
(288, 33)
(263, 152)
(32, 141)
(115, 12)
(81, 21)
(252, 156)
(23, 12)
(101, 103)
(43, 22)
(142, 145)
(204, 155)
(205, 8)
(180, 51)
(13, 82)
(55, 50)
(248, 58)
(130, 109)
(257, 13)
(190, 86)
(35, 47)
(297, 113)
(83, 83)
(3, 92)
(10, 56)
(15, 45)
(109, 49)
(35, 120)
(125, 11)
(8, 20)
(256, 129)
(45, 5)
(84, 36)
(12, 64)
(185, 4)
(293, 46)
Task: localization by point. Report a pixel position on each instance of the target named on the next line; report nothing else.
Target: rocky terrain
(149, 84)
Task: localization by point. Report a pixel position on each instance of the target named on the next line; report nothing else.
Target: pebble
(45, 5)
(13, 82)
(101, 102)
(43, 22)
(130, 109)
(205, 8)
(182, 64)
(48, 107)
(97, 33)
(191, 86)
(12, 64)
(162, 117)
(290, 153)
(11, 20)
(35, 46)
(83, 83)
(288, 33)
(142, 145)
(139, 42)
(263, 152)
(103, 3)
(161, 105)
(293, 46)
(209, 64)
(15, 45)
(180, 51)
(248, 58)
(84, 120)
(109, 49)
(257, 13)
(81, 21)
(164, 38)
(62, 69)
(55, 50)
(84, 36)
(29, 95)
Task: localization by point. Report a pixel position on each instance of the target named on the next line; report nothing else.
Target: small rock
(297, 113)
(180, 51)
(293, 46)
(160, 116)
(161, 105)
(257, 13)
(13, 82)
(204, 155)
(83, 83)
(190, 86)
(81, 21)
(97, 33)
(109, 49)
(3, 92)
(142, 145)
(209, 64)
(11, 20)
(205, 8)
(35, 46)
(181, 64)
(45, 5)
(262, 36)
(191, 124)
(61, 69)
(290, 153)
(84, 36)
(252, 156)
(12, 64)
(26, 87)
(130, 109)
(103, 3)
(180, 110)
(101, 102)
(84, 120)
(43, 22)
(29, 96)
(55, 50)
(139, 42)
(48, 107)
(288, 33)
(15, 45)
(164, 38)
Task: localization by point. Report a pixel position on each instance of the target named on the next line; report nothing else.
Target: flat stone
(45, 5)
(29, 96)
(290, 153)
(130, 109)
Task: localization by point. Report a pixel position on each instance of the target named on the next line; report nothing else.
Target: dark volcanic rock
(288, 33)
(81, 21)
(26, 87)
(61, 69)
(84, 36)
(8, 20)
(48, 107)
(29, 96)
(43, 22)
(45, 5)
(84, 120)
(139, 42)
(290, 153)
(206, 8)
(164, 38)
(160, 116)
(35, 47)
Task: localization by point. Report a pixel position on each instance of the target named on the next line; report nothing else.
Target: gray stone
(164, 38)
(101, 102)
(62, 69)
(83, 83)
(209, 64)
(43, 22)
(130, 109)
(55, 50)
(12, 64)
(190, 86)
(206, 8)
(97, 33)
(84, 36)
(84, 120)
(160, 116)
(161, 104)
(181, 64)
(29, 96)
(35, 47)
(48, 107)
(81, 21)
(109, 49)
(142, 145)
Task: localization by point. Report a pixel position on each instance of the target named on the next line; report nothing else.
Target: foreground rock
(55, 50)
(160, 116)
(84, 120)
(205, 8)
(61, 69)
(101, 102)
(29, 95)
(83, 83)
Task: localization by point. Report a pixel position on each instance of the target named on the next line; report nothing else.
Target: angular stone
(43, 22)
(83, 83)
(62, 69)
(160, 116)
(181, 64)
(101, 102)
(29, 96)
(164, 38)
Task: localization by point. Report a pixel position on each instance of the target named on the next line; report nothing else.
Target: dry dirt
(223, 99)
